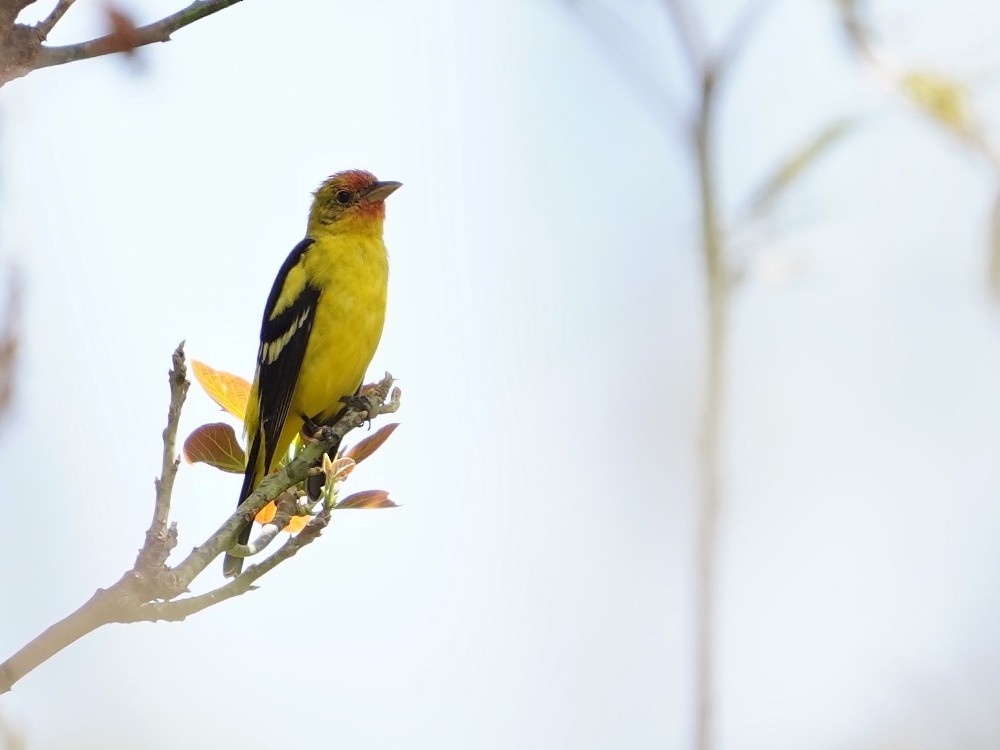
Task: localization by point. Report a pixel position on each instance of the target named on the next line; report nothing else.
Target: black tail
(231, 566)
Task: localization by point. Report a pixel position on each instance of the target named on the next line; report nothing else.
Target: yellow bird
(322, 322)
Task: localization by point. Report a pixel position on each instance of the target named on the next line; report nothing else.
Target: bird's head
(351, 201)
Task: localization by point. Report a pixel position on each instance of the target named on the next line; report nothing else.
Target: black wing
(283, 340)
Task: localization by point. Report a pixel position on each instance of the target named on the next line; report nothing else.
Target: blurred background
(547, 326)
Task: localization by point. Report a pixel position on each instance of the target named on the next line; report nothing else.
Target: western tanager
(322, 322)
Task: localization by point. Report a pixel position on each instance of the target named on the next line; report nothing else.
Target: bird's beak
(381, 190)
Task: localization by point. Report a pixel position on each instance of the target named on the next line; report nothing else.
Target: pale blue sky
(545, 324)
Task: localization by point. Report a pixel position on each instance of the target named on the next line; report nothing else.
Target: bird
(322, 323)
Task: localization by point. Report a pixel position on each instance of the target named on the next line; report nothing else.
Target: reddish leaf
(122, 33)
(337, 471)
(215, 444)
(227, 390)
(364, 448)
(367, 499)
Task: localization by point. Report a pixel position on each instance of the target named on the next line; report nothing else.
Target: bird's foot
(311, 432)
(369, 399)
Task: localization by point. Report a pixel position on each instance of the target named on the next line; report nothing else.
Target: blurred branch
(742, 29)
(10, 739)
(708, 70)
(718, 299)
(689, 34)
(794, 165)
(9, 344)
(22, 49)
(151, 590)
(943, 100)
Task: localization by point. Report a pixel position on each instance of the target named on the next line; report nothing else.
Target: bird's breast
(350, 314)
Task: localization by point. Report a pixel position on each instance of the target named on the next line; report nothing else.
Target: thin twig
(155, 551)
(718, 294)
(609, 29)
(689, 34)
(180, 609)
(742, 29)
(45, 26)
(271, 487)
(150, 590)
(159, 31)
(286, 506)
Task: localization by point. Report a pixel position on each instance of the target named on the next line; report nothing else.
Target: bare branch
(158, 31)
(180, 609)
(9, 11)
(10, 344)
(689, 34)
(45, 26)
(22, 51)
(87, 618)
(150, 590)
(159, 539)
(741, 32)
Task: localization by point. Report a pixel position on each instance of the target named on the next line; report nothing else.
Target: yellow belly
(353, 275)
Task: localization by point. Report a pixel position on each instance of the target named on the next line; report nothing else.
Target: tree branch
(9, 11)
(158, 31)
(689, 34)
(150, 590)
(160, 539)
(22, 51)
(45, 26)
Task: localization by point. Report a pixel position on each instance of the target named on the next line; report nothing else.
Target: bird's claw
(365, 401)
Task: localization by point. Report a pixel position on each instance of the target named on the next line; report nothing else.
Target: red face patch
(357, 180)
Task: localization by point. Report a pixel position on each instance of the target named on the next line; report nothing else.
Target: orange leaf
(295, 524)
(267, 513)
(227, 390)
(364, 448)
(367, 499)
(216, 445)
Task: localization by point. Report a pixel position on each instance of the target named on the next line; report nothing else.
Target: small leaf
(367, 499)
(296, 524)
(229, 391)
(269, 511)
(215, 444)
(364, 448)
(944, 99)
(337, 471)
(795, 164)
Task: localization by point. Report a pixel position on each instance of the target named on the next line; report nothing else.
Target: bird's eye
(344, 197)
